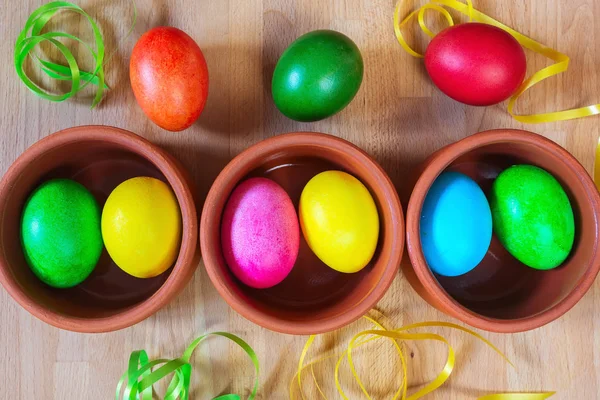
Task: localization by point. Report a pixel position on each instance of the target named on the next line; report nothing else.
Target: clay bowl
(501, 294)
(313, 298)
(100, 158)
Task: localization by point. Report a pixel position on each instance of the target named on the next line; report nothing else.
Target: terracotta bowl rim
(184, 265)
(257, 152)
(440, 161)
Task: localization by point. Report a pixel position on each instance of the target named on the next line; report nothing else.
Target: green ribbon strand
(138, 381)
(31, 36)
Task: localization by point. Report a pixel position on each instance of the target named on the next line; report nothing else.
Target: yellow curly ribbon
(561, 61)
(517, 396)
(395, 336)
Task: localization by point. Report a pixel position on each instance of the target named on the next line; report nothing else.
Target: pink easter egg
(260, 235)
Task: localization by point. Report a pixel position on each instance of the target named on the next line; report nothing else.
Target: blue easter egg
(456, 225)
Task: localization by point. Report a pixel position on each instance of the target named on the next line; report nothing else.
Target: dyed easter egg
(456, 225)
(260, 236)
(141, 226)
(339, 220)
(317, 76)
(60, 233)
(476, 64)
(532, 216)
(169, 77)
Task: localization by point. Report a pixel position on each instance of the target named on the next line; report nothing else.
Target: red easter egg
(169, 77)
(476, 64)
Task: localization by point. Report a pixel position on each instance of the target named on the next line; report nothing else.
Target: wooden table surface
(398, 116)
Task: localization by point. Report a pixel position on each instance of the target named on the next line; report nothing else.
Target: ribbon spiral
(139, 378)
(396, 336)
(32, 35)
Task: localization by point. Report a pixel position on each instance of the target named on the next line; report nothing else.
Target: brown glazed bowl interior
(313, 298)
(100, 158)
(501, 294)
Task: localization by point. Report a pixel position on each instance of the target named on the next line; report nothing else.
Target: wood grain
(398, 117)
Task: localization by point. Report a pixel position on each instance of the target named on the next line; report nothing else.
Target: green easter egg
(317, 76)
(532, 216)
(60, 233)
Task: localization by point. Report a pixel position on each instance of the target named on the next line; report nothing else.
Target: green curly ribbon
(31, 36)
(140, 378)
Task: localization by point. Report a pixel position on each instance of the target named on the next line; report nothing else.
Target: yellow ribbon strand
(518, 396)
(561, 61)
(397, 336)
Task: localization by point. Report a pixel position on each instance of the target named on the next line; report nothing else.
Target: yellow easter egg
(339, 220)
(141, 226)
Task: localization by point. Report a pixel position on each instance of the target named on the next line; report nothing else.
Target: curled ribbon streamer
(140, 378)
(561, 61)
(517, 396)
(31, 36)
(396, 336)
